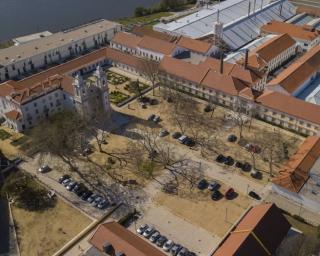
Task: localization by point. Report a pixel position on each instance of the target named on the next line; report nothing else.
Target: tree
(26, 192)
(273, 147)
(63, 135)
(149, 154)
(150, 69)
(139, 11)
(238, 116)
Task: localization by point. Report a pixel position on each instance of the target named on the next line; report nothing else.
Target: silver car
(168, 245)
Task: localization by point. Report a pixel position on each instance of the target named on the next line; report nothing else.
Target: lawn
(43, 233)
(143, 20)
(117, 97)
(4, 135)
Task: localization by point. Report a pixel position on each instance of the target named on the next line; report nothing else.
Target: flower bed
(116, 79)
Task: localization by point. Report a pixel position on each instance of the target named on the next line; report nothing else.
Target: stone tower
(103, 89)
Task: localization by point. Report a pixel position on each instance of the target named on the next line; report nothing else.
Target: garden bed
(116, 79)
(117, 97)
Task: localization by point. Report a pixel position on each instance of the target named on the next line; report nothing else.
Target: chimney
(246, 59)
(254, 6)
(261, 4)
(281, 8)
(249, 8)
(218, 15)
(221, 62)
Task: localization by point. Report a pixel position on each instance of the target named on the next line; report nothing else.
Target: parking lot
(177, 229)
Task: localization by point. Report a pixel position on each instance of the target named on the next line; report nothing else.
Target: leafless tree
(149, 154)
(239, 116)
(273, 148)
(150, 69)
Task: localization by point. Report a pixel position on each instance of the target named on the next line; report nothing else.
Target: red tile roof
(13, 115)
(127, 39)
(255, 233)
(298, 72)
(122, 240)
(290, 105)
(295, 31)
(194, 45)
(295, 172)
(157, 45)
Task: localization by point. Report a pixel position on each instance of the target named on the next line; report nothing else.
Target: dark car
(151, 117)
(232, 138)
(175, 249)
(189, 142)
(214, 186)
(229, 193)
(208, 108)
(78, 187)
(191, 254)
(239, 165)
(216, 195)
(229, 161)
(86, 195)
(156, 119)
(176, 135)
(81, 191)
(160, 242)
(221, 158)
(63, 178)
(254, 195)
(246, 167)
(203, 184)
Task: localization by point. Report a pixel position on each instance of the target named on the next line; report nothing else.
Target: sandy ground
(43, 233)
(200, 210)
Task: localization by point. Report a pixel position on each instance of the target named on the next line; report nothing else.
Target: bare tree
(239, 117)
(149, 154)
(150, 69)
(273, 148)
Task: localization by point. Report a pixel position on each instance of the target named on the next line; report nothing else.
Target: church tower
(102, 86)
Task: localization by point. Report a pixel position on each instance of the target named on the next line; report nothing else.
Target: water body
(21, 17)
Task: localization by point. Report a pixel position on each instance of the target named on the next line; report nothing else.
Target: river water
(21, 17)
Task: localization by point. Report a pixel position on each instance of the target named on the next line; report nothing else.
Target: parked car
(81, 191)
(254, 195)
(103, 203)
(239, 165)
(155, 236)
(44, 168)
(216, 195)
(246, 167)
(163, 133)
(255, 174)
(78, 187)
(96, 201)
(87, 151)
(182, 138)
(232, 138)
(63, 178)
(229, 193)
(142, 228)
(168, 245)
(175, 249)
(151, 117)
(66, 182)
(86, 195)
(176, 135)
(229, 161)
(91, 198)
(156, 119)
(220, 158)
(71, 185)
(191, 254)
(203, 184)
(189, 142)
(148, 232)
(208, 108)
(183, 252)
(213, 186)
(161, 241)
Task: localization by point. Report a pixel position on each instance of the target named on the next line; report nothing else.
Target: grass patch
(6, 44)
(43, 233)
(4, 135)
(117, 97)
(143, 20)
(20, 141)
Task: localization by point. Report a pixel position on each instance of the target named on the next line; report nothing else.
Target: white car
(148, 232)
(142, 228)
(168, 245)
(44, 168)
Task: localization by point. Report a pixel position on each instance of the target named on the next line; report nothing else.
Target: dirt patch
(197, 207)
(43, 233)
